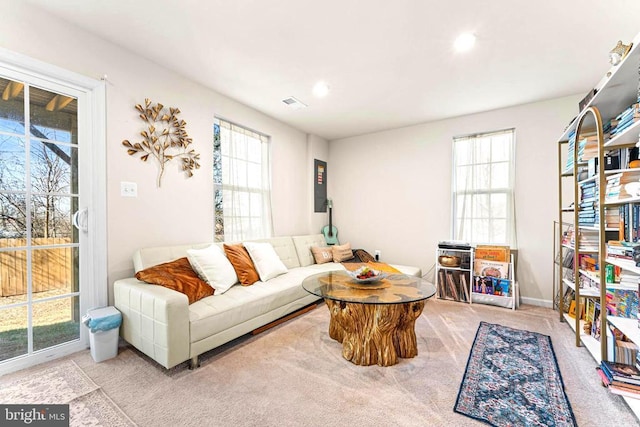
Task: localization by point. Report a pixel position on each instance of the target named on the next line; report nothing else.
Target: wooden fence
(51, 268)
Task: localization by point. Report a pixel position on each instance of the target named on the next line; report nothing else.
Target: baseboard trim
(536, 301)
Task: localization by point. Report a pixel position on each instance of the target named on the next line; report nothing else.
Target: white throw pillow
(266, 260)
(213, 267)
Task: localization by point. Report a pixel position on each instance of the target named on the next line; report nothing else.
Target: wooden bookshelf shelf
(590, 274)
(625, 138)
(622, 201)
(629, 327)
(584, 292)
(624, 264)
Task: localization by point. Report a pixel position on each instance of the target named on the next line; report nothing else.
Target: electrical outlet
(377, 255)
(128, 189)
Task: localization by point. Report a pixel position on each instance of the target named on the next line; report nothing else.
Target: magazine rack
(482, 294)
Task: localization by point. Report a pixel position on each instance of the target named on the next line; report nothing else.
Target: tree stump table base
(375, 333)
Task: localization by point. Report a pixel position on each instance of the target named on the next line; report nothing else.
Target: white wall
(182, 210)
(392, 189)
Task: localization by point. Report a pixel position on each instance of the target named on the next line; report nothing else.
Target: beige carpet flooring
(294, 375)
(64, 383)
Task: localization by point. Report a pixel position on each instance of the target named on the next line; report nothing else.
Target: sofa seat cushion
(239, 304)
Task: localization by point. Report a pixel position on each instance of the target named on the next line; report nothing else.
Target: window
(483, 188)
(242, 182)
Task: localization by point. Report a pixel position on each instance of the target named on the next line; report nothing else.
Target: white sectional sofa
(162, 324)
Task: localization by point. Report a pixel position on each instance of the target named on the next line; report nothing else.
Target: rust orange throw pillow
(242, 264)
(179, 276)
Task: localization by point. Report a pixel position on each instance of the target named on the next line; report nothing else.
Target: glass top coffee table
(375, 322)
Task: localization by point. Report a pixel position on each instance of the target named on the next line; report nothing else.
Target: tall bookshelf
(617, 92)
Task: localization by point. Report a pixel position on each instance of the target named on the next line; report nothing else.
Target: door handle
(80, 220)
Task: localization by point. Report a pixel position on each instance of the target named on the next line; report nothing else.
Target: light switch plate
(128, 189)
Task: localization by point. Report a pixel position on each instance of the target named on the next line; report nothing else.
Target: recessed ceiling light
(464, 42)
(321, 89)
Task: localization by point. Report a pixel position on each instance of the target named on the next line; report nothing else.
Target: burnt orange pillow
(179, 276)
(242, 264)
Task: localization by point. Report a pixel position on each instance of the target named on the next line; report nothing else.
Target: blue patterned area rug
(512, 379)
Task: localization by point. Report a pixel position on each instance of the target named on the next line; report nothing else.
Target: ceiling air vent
(294, 103)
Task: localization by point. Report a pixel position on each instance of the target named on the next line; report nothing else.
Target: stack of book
(624, 120)
(629, 280)
(612, 218)
(588, 240)
(588, 146)
(581, 149)
(612, 190)
(621, 249)
(621, 378)
(571, 148)
(616, 183)
(588, 214)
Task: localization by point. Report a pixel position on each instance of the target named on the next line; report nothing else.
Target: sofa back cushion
(285, 249)
(303, 246)
(148, 257)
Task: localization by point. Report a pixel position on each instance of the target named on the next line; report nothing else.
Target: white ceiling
(389, 63)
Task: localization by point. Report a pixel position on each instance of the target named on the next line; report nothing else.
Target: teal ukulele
(329, 231)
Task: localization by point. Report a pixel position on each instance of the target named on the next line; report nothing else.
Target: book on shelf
(491, 268)
(621, 249)
(568, 297)
(619, 349)
(624, 373)
(442, 284)
(483, 285)
(464, 287)
(501, 287)
(588, 262)
(453, 291)
(605, 379)
(626, 352)
(595, 324)
(623, 302)
(589, 306)
(493, 253)
(629, 222)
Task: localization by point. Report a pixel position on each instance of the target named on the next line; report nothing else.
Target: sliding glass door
(44, 244)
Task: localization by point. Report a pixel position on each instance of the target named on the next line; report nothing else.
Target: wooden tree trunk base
(374, 333)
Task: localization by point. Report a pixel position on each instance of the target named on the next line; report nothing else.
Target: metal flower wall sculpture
(164, 139)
